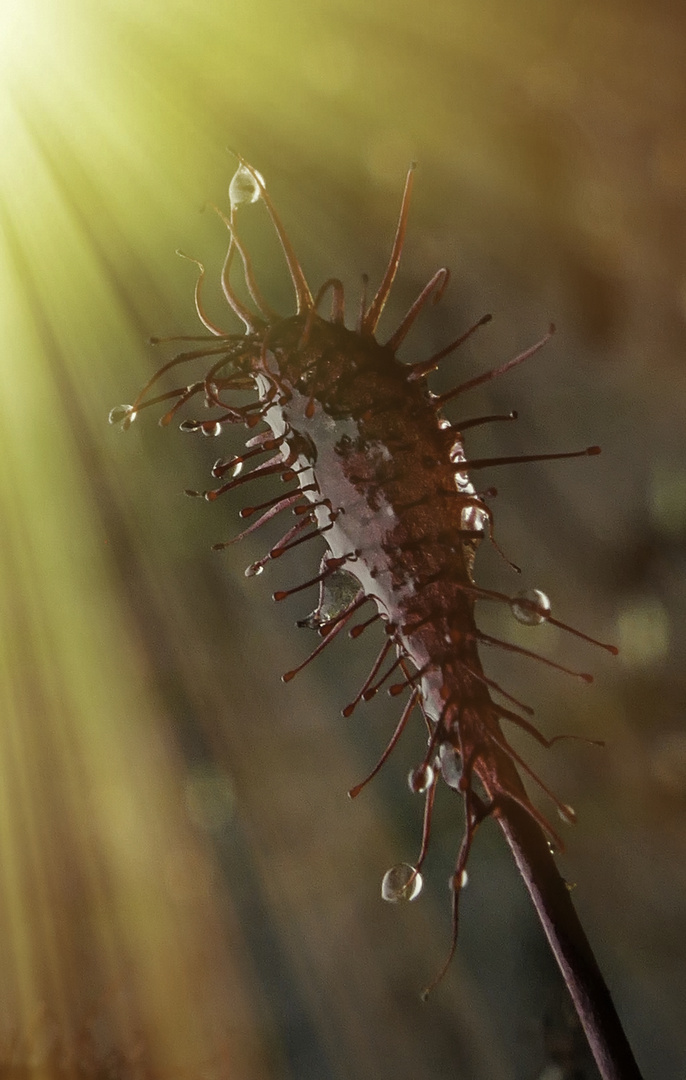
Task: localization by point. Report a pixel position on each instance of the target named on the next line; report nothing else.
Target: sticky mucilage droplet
(401, 884)
(211, 429)
(531, 607)
(122, 414)
(244, 187)
(420, 779)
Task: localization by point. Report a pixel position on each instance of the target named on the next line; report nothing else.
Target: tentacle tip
(219, 547)
(586, 676)
(348, 711)
(281, 594)
(593, 451)
(424, 995)
(288, 676)
(154, 340)
(612, 649)
(552, 329)
(485, 319)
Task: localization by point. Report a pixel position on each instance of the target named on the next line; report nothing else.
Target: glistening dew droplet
(211, 428)
(420, 779)
(254, 569)
(120, 413)
(531, 607)
(401, 883)
(450, 766)
(244, 188)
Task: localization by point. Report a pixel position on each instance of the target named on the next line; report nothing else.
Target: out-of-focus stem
(570, 945)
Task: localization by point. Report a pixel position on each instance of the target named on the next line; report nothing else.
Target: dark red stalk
(570, 945)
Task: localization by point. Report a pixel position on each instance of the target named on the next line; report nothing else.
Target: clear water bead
(244, 188)
(336, 593)
(120, 413)
(531, 607)
(254, 569)
(210, 429)
(450, 766)
(420, 779)
(401, 883)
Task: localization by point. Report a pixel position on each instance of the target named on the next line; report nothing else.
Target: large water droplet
(336, 594)
(121, 413)
(420, 779)
(254, 569)
(531, 607)
(450, 766)
(244, 188)
(401, 883)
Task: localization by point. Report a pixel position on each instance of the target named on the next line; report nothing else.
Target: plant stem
(570, 945)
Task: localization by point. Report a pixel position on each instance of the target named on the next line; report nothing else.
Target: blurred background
(185, 890)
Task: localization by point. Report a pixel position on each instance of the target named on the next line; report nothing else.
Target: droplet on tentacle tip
(254, 569)
(420, 779)
(244, 188)
(401, 884)
(531, 607)
(122, 414)
(211, 428)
